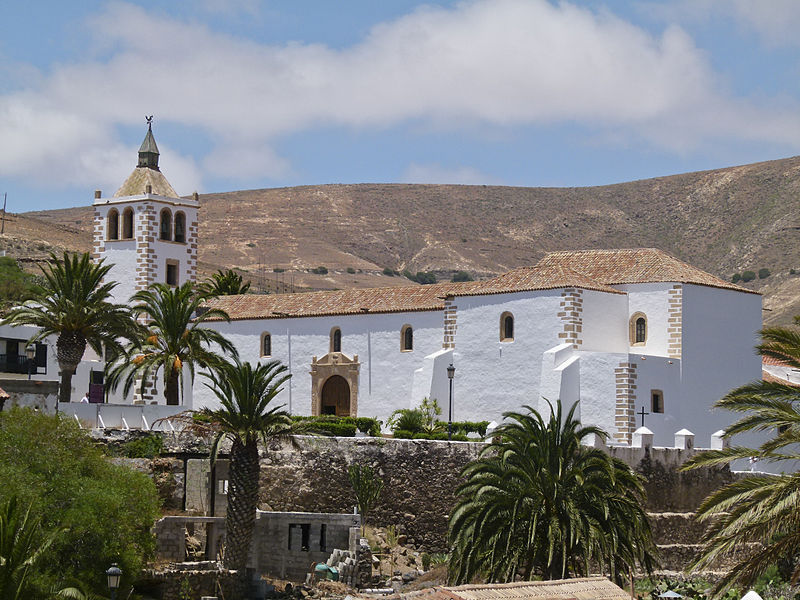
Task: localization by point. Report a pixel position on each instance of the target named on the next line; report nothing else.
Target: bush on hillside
(462, 276)
(764, 273)
(320, 270)
(15, 284)
(748, 276)
(388, 271)
(351, 270)
(736, 277)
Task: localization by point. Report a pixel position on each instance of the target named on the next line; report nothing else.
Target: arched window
(165, 230)
(406, 338)
(127, 224)
(336, 340)
(638, 329)
(266, 344)
(506, 327)
(113, 224)
(180, 227)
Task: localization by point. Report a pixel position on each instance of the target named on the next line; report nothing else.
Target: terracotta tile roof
(635, 265)
(399, 299)
(768, 360)
(588, 588)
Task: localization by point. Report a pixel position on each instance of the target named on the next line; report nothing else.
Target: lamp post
(451, 372)
(114, 574)
(30, 352)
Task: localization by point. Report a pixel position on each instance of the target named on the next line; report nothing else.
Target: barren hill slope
(724, 221)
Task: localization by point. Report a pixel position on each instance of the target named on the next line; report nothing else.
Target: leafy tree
(367, 487)
(763, 273)
(748, 276)
(736, 277)
(95, 511)
(539, 504)
(761, 509)
(15, 284)
(73, 303)
(173, 339)
(425, 277)
(245, 417)
(224, 283)
(462, 276)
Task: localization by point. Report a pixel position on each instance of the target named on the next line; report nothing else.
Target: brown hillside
(723, 221)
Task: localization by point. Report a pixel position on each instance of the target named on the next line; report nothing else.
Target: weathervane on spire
(149, 121)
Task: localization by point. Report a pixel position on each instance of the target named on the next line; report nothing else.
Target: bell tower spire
(148, 151)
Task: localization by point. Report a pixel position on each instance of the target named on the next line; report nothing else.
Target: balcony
(15, 363)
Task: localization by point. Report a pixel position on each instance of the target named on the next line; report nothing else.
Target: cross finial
(642, 413)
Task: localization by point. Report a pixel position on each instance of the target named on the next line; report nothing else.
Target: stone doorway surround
(334, 363)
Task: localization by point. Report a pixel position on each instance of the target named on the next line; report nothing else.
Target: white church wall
(493, 376)
(599, 389)
(386, 374)
(720, 331)
(605, 322)
(661, 374)
(652, 299)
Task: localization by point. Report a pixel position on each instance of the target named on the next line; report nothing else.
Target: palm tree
(245, 417)
(172, 339)
(22, 544)
(539, 504)
(74, 304)
(224, 283)
(760, 511)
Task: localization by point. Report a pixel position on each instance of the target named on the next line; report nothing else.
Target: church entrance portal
(336, 397)
(334, 385)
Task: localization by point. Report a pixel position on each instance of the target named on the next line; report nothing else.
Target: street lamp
(114, 574)
(30, 352)
(451, 372)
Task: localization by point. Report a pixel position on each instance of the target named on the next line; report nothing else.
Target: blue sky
(250, 94)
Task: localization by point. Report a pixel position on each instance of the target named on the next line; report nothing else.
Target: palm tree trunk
(171, 388)
(240, 517)
(70, 347)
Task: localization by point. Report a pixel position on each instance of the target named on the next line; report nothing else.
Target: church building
(631, 333)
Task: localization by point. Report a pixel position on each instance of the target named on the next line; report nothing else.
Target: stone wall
(420, 478)
(196, 579)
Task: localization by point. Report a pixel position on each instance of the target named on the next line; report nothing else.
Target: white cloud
(495, 63)
(775, 21)
(436, 173)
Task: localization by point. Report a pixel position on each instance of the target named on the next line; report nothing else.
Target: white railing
(121, 416)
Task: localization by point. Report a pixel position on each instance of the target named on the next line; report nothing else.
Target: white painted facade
(575, 341)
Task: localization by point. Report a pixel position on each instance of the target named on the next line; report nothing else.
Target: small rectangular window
(323, 535)
(172, 272)
(222, 486)
(656, 401)
(304, 531)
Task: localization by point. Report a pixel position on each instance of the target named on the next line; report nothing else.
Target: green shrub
(426, 561)
(764, 273)
(792, 271)
(748, 276)
(407, 419)
(388, 271)
(104, 511)
(425, 277)
(736, 277)
(409, 275)
(402, 434)
(462, 276)
(341, 426)
(351, 270)
(148, 446)
(278, 270)
(467, 427)
(320, 270)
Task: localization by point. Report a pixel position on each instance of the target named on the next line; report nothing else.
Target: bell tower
(145, 229)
